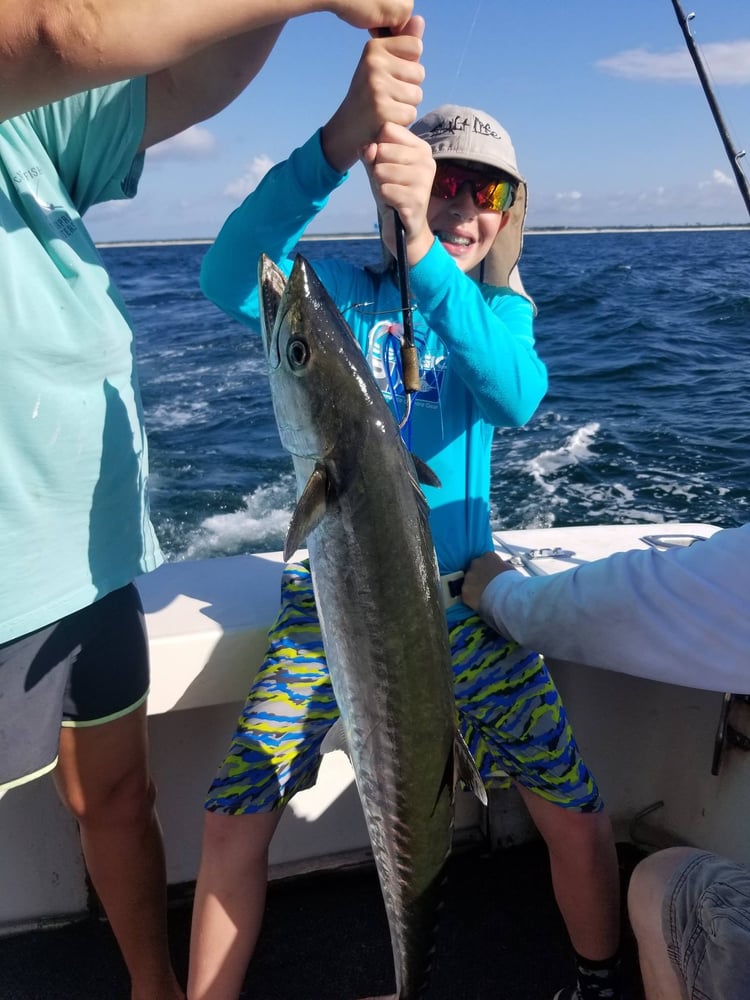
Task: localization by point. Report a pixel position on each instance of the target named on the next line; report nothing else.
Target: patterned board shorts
(706, 923)
(510, 714)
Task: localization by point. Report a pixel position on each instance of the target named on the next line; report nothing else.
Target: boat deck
(325, 936)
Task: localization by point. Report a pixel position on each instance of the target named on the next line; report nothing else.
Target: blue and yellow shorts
(510, 714)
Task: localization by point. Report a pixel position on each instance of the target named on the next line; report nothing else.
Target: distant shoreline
(550, 231)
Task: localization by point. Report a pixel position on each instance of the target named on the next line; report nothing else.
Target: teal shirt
(73, 490)
(478, 365)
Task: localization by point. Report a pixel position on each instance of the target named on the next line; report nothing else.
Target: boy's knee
(588, 832)
(244, 838)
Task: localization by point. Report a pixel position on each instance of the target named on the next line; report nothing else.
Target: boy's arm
(491, 340)
(271, 220)
(274, 216)
(50, 50)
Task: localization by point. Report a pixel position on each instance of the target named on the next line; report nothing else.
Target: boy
(452, 180)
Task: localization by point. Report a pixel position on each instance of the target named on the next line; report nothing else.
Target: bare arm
(55, 48)
(202, 85)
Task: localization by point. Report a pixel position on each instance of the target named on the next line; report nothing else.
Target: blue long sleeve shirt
(478, 364)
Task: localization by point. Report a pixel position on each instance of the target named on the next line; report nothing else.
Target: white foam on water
(552, 503)
(260, 525)
(165, 375)
(668, 483)
(171, 416)
(575, 451)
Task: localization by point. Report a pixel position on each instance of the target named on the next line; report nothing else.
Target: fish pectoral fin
(335, 739)
(466, 770)
(309, 512)
(425, 475)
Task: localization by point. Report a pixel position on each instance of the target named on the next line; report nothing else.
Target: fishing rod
(409, 356)
(733, 154)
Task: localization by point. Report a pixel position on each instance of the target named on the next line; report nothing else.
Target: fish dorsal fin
(425, 475)
(466, 770)
(309, 512)
(335, 739)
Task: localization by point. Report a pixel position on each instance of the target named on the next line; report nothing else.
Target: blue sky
(600, 97)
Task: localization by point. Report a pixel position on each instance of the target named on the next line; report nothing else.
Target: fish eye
(297, 353)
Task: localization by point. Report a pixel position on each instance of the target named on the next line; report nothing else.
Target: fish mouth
(271, 285)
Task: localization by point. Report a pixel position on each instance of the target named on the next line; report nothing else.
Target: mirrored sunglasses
(490, 192)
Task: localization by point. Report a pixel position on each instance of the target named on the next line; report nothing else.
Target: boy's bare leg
(585, 874)
(230, 899)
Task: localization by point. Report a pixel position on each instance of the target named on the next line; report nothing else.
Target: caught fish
(364, 519)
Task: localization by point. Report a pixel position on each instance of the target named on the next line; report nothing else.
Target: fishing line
(452, 98)
(391, 360)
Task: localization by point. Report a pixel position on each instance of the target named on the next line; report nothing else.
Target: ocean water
(646, 336)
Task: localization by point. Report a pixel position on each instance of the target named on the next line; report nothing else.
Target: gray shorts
(86, 669)
(706, 922)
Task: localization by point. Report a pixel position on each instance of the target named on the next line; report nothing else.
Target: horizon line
(528, 231)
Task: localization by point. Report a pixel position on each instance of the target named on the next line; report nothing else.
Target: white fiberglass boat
(660, 752)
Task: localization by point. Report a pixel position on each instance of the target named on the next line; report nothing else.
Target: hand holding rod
(409, 357)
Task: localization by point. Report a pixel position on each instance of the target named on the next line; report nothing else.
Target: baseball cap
(460, 133)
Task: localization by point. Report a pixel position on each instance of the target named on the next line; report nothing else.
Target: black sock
(598, 979)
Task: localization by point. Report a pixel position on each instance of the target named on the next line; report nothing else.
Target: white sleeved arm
(681, 615)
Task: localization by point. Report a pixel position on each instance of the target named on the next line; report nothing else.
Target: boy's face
(459, 212)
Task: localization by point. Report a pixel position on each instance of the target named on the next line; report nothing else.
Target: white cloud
(718, 179)
(728, 63)
(714, 201)
(109, 210)
(194, 143)
(241, 186)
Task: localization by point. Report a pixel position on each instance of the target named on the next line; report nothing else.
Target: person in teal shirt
(87, 87)
(454, 181)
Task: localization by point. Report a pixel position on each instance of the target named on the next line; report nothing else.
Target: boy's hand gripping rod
(409, 357)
